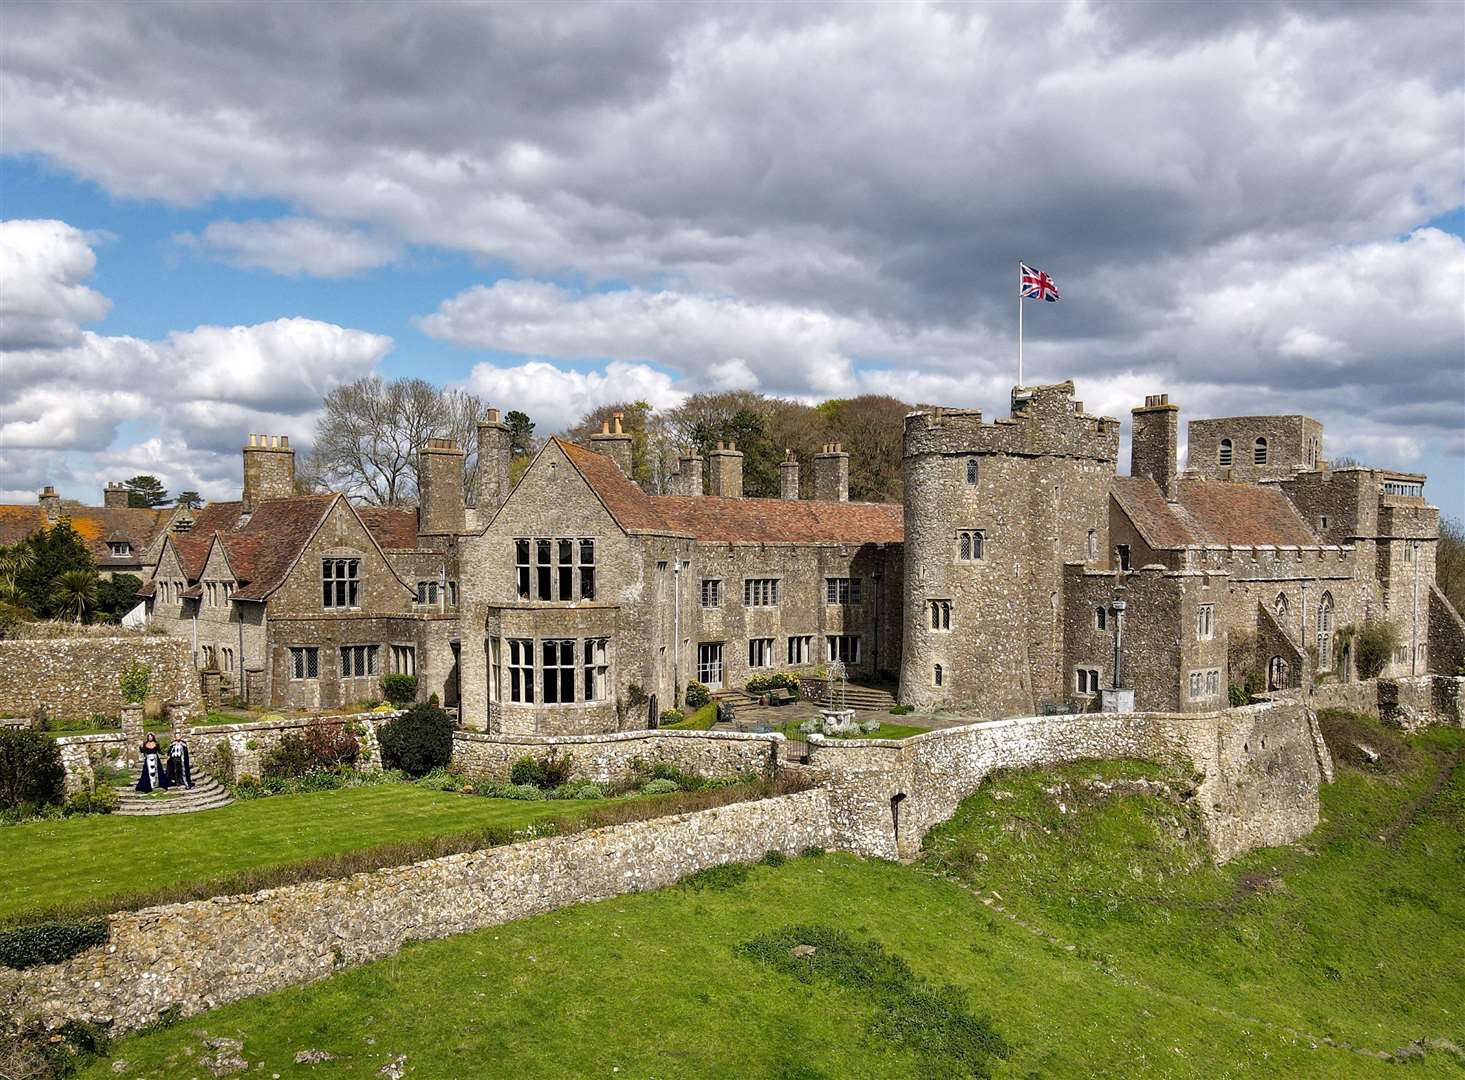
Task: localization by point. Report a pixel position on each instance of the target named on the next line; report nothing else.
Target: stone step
(206, 794)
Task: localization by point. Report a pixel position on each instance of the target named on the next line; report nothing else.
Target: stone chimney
(831, 474)
(1154, 442)
(269, 470)
(114, 495)
(788, 476)
(440, 488)
(494, 452)
(688, 477)
(614, 442)
(727, 471)
(50, 502)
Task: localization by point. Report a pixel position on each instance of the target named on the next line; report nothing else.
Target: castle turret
(269, 470)
(992, 513)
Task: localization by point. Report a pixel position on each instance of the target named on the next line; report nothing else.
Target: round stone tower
(992, 512)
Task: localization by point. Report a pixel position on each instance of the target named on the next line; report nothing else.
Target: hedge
(50, 942)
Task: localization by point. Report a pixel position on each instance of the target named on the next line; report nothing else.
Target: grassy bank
(1074, 913)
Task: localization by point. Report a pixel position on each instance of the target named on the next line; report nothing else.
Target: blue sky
(648, 201)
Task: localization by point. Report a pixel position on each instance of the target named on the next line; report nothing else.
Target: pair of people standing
(164, 768)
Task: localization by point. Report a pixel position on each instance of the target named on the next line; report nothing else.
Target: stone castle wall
(195, 956)
(77, 678)
(608, 758)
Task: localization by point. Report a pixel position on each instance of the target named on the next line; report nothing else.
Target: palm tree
(75, 593)
(14, 561)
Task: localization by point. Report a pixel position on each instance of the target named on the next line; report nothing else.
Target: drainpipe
(676, 631)
(1414, 615)
(1118, 608)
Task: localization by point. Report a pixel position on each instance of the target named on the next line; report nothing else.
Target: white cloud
(201, 390)
(556, 398)
(294, 245)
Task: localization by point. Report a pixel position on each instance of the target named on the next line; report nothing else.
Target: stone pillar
(494, 451)
(440, 488)
(211, 686)
(1154, 441)
(788, 476)
(614, 442)
(727, 471)
(132, 733)
(831, 474)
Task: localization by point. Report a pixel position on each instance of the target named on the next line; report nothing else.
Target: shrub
(219, 762)
(400, 690)
(773, 858)
(783, 680)
(672, 716)
(526, 771)
(661, 786)
(332, 745)
(134, 684)
(902, 710)
(30, 769)
(95, 799)
(717, 878)
(49, 942)
(288, 758)
(418, 741)
(1373, 646)
(433, 701)
(697, 695)
(546, 772)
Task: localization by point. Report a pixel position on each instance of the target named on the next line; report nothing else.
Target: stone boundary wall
(77, 678)
(1412, 701)
(1258, 769)
(198, 955)
(607, 758)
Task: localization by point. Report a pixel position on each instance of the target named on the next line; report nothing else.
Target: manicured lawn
(84, 860)
(1156, 963)
(699, 720)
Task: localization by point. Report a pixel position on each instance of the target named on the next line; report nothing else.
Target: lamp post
(1118, 608)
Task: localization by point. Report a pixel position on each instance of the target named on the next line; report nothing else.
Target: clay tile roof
(193, 592)
(18, 521)
(217, 517)
(1247, 514)
(736, 520)
(782, 520)
(623, 497)
(94, 524)
(193, 553)
(1156, 520)
(390, 526)
(274, 537)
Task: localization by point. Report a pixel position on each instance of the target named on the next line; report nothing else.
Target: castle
(1021, 575)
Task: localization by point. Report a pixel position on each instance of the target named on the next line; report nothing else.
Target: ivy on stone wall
(50, 942)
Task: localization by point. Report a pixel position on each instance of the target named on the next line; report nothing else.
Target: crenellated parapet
(1045, 420)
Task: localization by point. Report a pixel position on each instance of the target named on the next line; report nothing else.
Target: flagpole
(1019, 324)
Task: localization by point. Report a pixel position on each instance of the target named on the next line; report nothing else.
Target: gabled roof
(1211, 512)
(217, 517)
(734, 521)
(192, 551)
(96, 525)
(390, 526)
(274, 537)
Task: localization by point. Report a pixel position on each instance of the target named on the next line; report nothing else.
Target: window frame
(1260, 451)
(971, 545)
(302, 659)
(519, 659)
(340, 591)
(711, 593)
(799, 655)
(940, 615)
(1225, 453)
(760, 652)
(765, 591)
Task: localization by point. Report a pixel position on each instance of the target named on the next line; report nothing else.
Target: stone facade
(1253, 448)
(77, 678)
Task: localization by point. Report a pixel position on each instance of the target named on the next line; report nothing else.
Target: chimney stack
(688, 478)
(1154, 443)
(50, 502)
(494, 452)
(613, 442)
(788, 476)
(440, 488)
(727, 471)
(269, 470)
(831, 474)
(114, 495)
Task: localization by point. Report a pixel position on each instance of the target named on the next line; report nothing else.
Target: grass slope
(84, 860)
(1132, 956)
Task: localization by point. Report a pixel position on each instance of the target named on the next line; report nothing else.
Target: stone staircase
(868, 697)
(206, 794)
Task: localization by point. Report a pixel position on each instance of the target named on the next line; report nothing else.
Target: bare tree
(368, 438)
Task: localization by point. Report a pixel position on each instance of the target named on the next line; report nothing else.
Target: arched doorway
(653, 712)
(1277, 672)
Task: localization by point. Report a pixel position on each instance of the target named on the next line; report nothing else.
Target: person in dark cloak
(178, 770)
(154, 769)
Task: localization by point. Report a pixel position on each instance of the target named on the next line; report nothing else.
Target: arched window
(966, 546)
(978, 540)
(1223, 455)
(1325, 633)
(1259, 452)
(937, 675)
(1093, 544)
(1277, 674)
(1279, 606)
(1101, 618)
(971, 470)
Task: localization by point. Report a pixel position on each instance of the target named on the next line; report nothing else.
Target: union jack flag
(1036, 285)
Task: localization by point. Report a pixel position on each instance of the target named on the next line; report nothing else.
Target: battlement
(1251, 561)
(1045, 420)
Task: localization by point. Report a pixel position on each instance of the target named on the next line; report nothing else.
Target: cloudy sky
(215, 213)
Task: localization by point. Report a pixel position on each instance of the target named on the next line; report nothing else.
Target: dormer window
(119, 549)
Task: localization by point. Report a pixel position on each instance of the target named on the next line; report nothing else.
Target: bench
(780, 697)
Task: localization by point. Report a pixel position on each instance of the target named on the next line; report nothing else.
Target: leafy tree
(74, 594)
(15, 559)
(147, 491)
(522, 443)
(370, 432)
(1373, 647)
(191, 499)
(116, 596)
(870, 427)
(31, 772)
(1450, 562)
(645, 429)
(54, 552)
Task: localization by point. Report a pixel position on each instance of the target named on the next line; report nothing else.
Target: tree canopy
(145, 490)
